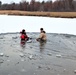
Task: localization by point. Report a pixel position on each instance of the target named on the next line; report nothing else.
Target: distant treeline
(58, 5)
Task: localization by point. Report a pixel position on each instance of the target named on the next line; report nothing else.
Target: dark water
(57, 56)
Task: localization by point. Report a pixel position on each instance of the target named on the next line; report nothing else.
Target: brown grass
(47, 14)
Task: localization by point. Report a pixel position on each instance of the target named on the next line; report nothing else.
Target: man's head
(41, 29)
(23, 30)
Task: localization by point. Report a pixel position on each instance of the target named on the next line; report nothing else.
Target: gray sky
(17, 1)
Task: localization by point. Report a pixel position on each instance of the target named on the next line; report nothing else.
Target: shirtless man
(42, 36)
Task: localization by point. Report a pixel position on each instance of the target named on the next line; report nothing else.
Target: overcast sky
(17, 1)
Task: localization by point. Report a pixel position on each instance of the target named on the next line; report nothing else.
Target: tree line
(58, 5)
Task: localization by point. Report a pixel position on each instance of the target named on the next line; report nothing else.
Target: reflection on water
(42, 45)
(23, 46)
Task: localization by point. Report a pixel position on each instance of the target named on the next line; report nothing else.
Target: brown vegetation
(46, 14)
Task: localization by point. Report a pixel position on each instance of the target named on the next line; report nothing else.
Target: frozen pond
(57, 56)
(33, 24)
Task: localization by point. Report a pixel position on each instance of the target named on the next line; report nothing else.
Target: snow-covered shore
(33, 24)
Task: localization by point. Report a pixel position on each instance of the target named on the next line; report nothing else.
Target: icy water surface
(57, 56)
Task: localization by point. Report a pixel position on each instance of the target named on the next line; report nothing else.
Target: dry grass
(47, 14)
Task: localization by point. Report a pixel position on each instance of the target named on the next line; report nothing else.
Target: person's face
(41, 31)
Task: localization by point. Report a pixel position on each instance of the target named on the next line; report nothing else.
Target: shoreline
(43, 14)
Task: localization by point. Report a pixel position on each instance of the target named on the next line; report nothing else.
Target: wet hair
(41, 28)
(44, 32)
(23, 31)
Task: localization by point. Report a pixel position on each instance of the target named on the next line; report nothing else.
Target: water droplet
(74, 71)
(50, 54)
(21, 55)
(22, 59)
(8, 60)
(1, 54)
(59, 56)
(30, 57)
(23, 70)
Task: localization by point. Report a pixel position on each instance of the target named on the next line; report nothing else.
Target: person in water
(24, 36)
(42, 36)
